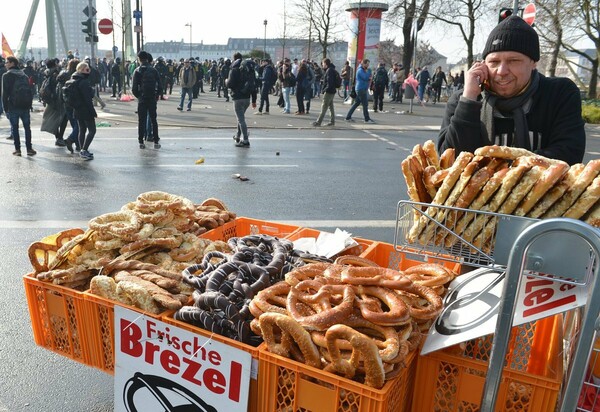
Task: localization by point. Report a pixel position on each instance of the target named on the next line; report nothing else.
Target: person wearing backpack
(147, 88)
(268, 80)
(241, 82)
(330, 88)
(83, 109)
(54, 112)
(17, 99)
(379, 84)
(63, 77)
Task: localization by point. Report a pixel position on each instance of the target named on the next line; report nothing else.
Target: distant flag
(6, 50)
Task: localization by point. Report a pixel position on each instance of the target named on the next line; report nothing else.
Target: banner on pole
(6, 50)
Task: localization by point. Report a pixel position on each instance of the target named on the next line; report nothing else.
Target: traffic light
(87, 26)
(504, 13)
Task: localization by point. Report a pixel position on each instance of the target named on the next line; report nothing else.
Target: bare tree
(464, 15)
(588, 22)
(413, 16)
(321, 18)
(550, 29)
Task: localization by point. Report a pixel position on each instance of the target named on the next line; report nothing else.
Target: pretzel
(593, 217)
(416, 169)
(211, 201)
(155, 200)
(159, 217)
(117, 223)
(513, 176)
(420, 155)
(458, 188)
(160, 295)
(557, 191)
(547, 180)
(291, 332)
(355, 261)
(410, 179)
(363, 348)
(503, 152)
(328, 314)
(588, 174)
(429, 274)
(431, 153)
(447, 158)
(535, 160)
(370, 276)
(585, 201)
(42, 253)
(428, 307)
(271, 299)
(453, 174)
(471, 190)
(166, 242)
(189, 249)
(397, 313)
(306, 272)
(428, 173)
(517, 194)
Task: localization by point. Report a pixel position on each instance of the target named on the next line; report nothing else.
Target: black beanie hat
(513, 34)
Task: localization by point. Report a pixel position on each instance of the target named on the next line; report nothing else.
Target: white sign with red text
(472, 302)
(160, 367)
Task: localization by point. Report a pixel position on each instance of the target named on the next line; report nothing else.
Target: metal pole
(137, 33)
(265, 45)
(190, 26)
(515, 7)
(93, 33)
(357, 39)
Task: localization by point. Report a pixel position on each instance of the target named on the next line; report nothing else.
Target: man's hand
(474, 77)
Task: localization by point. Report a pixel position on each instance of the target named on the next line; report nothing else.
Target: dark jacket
(329, 80)
(556, 128)
(234, 82)
(269, 77)
(423, 77)
(86, 111)
(8, 82)
(137, 82)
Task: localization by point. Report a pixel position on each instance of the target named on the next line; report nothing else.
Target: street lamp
(190, 26)
(265, 46)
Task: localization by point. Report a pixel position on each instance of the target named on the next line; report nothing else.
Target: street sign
(105, 26)
(86, 11)
(529, 13)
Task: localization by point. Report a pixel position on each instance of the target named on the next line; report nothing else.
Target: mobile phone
(484, 85)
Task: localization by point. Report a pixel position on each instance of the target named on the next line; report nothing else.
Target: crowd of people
(70, 91)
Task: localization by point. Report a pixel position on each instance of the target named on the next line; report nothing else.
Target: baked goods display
(359, 322)
(136, 255)
(224, 284)
(495, 179)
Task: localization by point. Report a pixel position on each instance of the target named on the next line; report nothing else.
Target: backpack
(292, 80)
(248, 77)
(71, 95)
(48, 90)
(381, 77)
(338, 79)
(22, 95)
(148, 84)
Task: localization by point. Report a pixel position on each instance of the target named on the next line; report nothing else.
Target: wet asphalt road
(348, 177)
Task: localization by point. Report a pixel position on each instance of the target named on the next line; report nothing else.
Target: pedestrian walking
(187, 80)
(147, 88)
(17, 100)
(330, 89)
(83, 108)
(242, 83)
(361, 86)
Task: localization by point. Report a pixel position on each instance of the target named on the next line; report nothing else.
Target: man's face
(365, 65)
(509, 72)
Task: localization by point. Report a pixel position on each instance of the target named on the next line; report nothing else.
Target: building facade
(71, 14)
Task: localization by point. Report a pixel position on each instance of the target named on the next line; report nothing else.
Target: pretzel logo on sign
(459, 300)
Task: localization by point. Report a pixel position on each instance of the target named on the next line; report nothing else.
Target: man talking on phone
(506, 101)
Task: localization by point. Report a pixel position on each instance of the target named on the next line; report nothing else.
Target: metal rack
(472, 237)
(566, 251)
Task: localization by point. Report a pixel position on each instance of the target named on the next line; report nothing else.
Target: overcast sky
(213, 22)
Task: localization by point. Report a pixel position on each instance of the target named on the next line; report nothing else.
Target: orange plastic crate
(287, 385)
(450, 382)
(58, 319)
(100, 330)
(243, 226)
(363, 244)
(253, 391)
(385, 255)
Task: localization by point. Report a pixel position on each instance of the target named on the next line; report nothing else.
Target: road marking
(203, 166)
(59, 224)
(381, 139)
(594, 153)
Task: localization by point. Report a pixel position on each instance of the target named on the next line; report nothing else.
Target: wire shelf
(471, 237)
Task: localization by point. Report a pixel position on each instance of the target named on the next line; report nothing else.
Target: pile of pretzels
(224, 284)
(141, 250)
(496, 179)
(351, 318)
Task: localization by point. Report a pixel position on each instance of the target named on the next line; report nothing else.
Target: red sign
(105, 26)
(529, 13)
